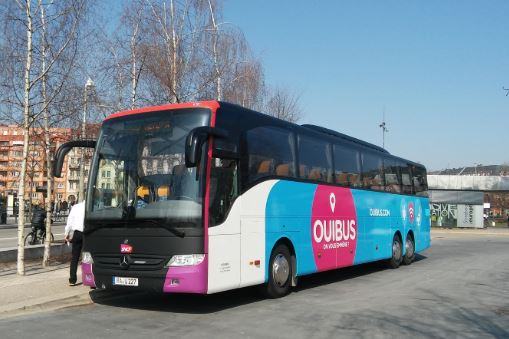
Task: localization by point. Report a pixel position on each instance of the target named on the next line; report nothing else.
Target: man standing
(74, 234)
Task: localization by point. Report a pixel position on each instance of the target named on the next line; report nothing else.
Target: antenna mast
(384, 128)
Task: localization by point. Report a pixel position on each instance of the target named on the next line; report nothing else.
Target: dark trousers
(77, 244)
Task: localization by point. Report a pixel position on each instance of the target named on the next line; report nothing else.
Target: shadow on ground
(203, 304)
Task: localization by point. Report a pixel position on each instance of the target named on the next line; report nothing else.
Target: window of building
(108, 174)
(34, 195)
(60, 196)
(347, 169)
(372, 171)
(270, 153)
(315, 161)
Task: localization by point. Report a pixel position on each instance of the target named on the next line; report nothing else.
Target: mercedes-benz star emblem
(124, 262)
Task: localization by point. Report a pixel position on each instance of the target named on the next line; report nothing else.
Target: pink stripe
(187, 279)
(87, 275)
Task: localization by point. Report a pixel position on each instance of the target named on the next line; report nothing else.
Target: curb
(35, 252)
(48, 305)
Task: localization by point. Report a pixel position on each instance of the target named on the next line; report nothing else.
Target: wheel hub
(396, 250)
(409, 248)
(280, 270)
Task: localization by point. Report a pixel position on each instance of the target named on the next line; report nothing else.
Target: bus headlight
(87, 258)
(186, 260)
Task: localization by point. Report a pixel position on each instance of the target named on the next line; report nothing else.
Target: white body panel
(238, 243)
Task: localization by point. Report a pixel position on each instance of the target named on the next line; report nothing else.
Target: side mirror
(195, 140)
(64, 149)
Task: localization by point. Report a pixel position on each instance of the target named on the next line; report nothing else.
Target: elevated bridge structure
(468, 183)
(458, 200)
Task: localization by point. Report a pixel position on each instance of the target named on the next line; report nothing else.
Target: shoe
(72, 283)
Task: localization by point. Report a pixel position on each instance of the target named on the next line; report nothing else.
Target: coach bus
(208, 196)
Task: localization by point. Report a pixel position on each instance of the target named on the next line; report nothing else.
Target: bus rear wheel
(397, 252)
(409, 256)
(280, 273)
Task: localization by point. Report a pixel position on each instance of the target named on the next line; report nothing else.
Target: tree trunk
(26, 140)
(219, 94)
(49, 176)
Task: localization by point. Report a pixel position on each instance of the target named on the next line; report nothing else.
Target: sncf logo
(126, 248)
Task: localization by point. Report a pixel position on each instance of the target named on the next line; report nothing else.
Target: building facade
(11, 156)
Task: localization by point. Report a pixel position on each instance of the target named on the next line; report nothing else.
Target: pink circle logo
(411, 212)
(333, 227)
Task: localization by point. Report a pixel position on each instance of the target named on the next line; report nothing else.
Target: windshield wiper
(173, 230)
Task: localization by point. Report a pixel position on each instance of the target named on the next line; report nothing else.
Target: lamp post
(89, 85)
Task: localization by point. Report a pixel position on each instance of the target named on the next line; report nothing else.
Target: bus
(209, 196)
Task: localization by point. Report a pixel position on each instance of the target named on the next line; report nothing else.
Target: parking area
(459, 287)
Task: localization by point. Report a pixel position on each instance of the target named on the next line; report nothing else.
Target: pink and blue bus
(208, 196)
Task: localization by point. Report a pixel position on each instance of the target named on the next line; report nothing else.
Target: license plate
(125, 281)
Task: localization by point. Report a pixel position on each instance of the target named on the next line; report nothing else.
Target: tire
(397, 252)
(409, 256)
(280, 273)
(29, 239)
(42, 239)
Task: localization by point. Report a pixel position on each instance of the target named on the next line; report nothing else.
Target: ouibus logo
(334, 227)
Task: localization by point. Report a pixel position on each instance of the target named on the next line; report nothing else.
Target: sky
(437, 69)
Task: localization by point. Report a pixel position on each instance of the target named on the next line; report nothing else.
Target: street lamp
(89, 86)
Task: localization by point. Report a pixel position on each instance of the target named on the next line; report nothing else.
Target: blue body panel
(289, 214)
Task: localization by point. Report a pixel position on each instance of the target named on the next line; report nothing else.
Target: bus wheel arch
(409, 256)
(396, 250)
(280, 269)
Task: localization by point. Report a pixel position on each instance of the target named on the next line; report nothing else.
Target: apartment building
(11, 156)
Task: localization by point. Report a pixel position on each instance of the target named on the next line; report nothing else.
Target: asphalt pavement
(9, 234)
(457, 288)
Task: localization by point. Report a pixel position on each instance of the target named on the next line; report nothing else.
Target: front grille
(131, 262)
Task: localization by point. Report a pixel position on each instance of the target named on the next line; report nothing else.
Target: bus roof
(212, 105)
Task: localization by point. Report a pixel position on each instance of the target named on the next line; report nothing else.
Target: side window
(372, 171)
(315, 161)
(392, 176)
(347, 169)
(406, 182)
(420, 181)
(270, 152)
(223, 188)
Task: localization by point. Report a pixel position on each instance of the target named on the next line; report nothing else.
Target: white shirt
(75, 219)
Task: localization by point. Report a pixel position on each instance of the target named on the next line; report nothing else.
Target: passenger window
(392, 176)
(420, 181)
(347, 167)
(315, 159)
(223, 188)
(406, 182)
(270, 153)
(372, 171)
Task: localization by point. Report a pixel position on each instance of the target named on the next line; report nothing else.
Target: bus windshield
(139, 172)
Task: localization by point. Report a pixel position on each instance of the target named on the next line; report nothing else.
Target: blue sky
(437, 67)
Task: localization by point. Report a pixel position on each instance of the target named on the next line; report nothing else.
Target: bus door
(224, 225)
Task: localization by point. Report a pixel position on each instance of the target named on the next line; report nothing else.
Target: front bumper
(180, 279)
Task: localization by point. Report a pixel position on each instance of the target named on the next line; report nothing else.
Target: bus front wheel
(280, 273)
(397, 252)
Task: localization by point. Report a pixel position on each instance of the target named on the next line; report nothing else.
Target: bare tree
(283, 104)
(46, 31)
